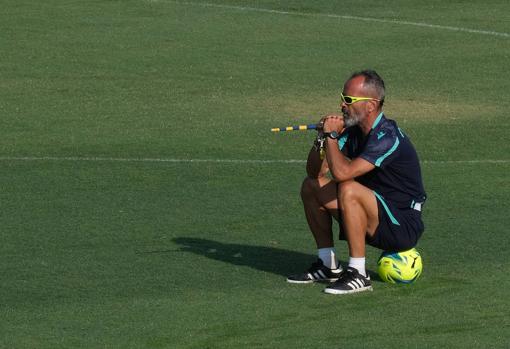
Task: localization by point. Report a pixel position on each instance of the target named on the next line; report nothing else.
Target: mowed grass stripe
(346, 17)
(237, 161)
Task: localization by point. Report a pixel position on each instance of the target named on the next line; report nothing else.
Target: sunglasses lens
(347, 99)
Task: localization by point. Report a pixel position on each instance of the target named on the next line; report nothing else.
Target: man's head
(368, 86)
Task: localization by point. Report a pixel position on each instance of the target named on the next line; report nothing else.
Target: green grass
(141, 254)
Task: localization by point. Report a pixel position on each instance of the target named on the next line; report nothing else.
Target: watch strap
(332, 135)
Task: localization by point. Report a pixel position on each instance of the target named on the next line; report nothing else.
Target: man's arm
(340, 167)
(315, 166)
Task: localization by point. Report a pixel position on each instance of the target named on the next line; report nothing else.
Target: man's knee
(309, 188)
(348, 194)
(354, 195)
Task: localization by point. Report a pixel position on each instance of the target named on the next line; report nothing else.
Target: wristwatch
(332, 135)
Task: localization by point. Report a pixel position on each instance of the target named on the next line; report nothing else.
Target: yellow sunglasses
(352, 99)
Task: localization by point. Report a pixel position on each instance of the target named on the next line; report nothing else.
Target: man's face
(356, 112)
(352, 115)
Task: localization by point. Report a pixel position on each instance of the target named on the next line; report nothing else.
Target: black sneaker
(351, 281)
(317, 272)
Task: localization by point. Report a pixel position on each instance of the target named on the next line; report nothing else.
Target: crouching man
(369, 181)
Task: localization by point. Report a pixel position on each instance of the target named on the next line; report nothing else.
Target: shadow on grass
(270, 259)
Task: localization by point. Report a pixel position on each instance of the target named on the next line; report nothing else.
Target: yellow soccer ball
(400, 267)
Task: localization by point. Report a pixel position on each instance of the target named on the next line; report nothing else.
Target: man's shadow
(269, 259)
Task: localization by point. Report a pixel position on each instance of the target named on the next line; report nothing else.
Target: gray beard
(350, 120)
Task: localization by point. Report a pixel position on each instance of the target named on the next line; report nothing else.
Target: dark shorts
(398, 229)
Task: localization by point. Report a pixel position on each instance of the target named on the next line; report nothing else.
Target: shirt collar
(377, 120)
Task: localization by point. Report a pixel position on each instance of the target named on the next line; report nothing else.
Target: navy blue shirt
(397, 174)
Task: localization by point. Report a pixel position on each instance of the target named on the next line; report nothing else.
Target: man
(374, 187)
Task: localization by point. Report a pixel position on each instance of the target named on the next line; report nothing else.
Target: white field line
(219, 161)
(346, 17)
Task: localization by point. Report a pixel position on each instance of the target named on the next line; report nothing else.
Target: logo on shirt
(380, 134)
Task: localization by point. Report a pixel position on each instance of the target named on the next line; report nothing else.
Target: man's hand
(333, 122)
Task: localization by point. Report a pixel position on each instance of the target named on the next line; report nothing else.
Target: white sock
(359, 264)
(328, 257)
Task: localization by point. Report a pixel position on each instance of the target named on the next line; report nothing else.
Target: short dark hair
(373, 81)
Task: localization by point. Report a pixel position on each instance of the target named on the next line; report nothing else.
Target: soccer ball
(400, 267)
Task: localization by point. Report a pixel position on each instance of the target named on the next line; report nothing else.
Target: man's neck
(369, 122)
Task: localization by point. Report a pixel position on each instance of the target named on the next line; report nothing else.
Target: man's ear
(371, 106)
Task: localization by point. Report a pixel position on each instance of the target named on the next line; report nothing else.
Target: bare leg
(358, 205)
(320, 200)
